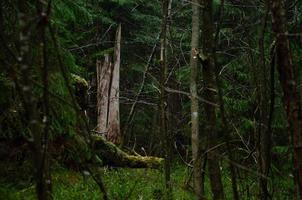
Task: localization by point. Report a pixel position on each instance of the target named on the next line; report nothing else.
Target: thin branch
(190, 96)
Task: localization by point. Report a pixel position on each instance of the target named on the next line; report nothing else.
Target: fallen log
(114, 156)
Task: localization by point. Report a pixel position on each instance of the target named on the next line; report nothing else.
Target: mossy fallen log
(112, 155)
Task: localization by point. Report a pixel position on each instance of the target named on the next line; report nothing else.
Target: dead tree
(108, 77)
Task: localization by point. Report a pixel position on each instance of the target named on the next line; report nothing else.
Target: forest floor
(121, 183)
(16, 183)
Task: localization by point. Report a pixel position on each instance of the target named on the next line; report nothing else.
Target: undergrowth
(16, 183)
(121, 184)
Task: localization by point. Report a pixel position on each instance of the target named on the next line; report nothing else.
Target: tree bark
(196, 144)
(114, 133)
(108, 76)
(225, 124)
(163, 100)
(263, 130)
(103, 83)
(38, 137)
(208, 71)
(291, 97)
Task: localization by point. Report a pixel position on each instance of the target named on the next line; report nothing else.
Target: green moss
(117, 157)
(79, 80)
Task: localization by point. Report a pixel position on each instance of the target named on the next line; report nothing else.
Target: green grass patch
(121, 183)
(16, 183)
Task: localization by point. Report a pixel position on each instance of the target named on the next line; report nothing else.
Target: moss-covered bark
(114, 156)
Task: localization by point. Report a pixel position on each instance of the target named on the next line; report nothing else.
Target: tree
(108, 93)
(225, 124)
(291, 97)
(163, 99)
(208, 72)
(38, 127)
(194, 62)
(263, 130)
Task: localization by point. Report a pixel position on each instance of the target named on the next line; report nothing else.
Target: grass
(123, 183)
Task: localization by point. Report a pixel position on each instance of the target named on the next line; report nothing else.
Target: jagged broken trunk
(108, 76)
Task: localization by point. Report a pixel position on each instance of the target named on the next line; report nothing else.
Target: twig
(190, 96)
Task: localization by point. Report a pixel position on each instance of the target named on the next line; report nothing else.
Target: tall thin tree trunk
(210, 95)
(223, 113)
(30, 100)
(196, 148)
(291, 97)
(264, 146)
(163, 115)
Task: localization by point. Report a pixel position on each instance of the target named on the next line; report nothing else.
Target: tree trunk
(225, 124)
(210, 95)
(263, 130)
(114, 133)
(291, 96)
(34, 122)
(103, 84)
(163, 115)
(196, 144)
(108, 76)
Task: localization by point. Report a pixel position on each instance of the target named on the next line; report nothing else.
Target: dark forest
(142, 100)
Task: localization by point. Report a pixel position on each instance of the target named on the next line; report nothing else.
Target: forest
(142, 100)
